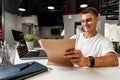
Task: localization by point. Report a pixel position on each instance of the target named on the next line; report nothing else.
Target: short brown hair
(90, 10)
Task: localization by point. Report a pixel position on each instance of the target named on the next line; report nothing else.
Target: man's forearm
(109, 59)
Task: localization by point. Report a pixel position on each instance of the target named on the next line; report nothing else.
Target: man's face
(89, 22)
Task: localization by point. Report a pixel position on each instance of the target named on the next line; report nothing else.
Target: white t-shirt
(95, 46)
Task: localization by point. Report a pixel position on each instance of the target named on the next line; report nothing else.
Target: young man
(92, 49)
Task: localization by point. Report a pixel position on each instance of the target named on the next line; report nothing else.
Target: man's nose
(85, 23)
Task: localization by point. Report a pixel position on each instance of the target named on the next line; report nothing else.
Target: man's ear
(97, 18)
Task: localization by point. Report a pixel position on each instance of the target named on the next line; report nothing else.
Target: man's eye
(82, 21)
(88, 20)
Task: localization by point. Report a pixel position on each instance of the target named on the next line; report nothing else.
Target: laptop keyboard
(42, 53)
(38, 53)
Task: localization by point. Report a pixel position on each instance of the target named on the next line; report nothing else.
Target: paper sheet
(55, 49)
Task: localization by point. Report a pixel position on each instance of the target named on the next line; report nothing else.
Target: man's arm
(110, 59)
(76, 56)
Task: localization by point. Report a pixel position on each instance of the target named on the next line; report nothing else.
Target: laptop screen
(19, 37)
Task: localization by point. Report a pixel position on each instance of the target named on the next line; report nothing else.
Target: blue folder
(21, 71)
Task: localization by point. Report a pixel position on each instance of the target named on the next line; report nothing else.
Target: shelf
(110, 7)
(112, 17)
(110, 4)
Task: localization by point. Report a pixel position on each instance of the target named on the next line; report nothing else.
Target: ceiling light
(22, 7)
(51, 7)
(83, 5)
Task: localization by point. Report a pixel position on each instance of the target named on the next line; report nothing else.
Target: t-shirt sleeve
(73, 37)
(107, 46)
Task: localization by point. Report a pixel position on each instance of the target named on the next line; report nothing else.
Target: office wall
(10, 23)
(69, 21)
(112, 30)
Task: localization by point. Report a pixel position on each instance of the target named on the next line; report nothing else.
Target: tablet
(55, 49)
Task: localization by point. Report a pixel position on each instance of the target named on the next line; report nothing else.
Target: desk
(64, 73)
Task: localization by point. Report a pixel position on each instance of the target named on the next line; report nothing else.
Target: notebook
(55, 49)
(21, 71)
(23, 50)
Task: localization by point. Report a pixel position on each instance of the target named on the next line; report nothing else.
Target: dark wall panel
(11, 6)
(0, 7)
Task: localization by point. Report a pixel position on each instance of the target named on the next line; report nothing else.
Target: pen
(26, 66)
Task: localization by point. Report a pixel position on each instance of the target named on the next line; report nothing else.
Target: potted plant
(30, 39)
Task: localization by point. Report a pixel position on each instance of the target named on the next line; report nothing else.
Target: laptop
(22, 49)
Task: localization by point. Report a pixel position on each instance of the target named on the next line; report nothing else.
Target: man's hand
(77, 57)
